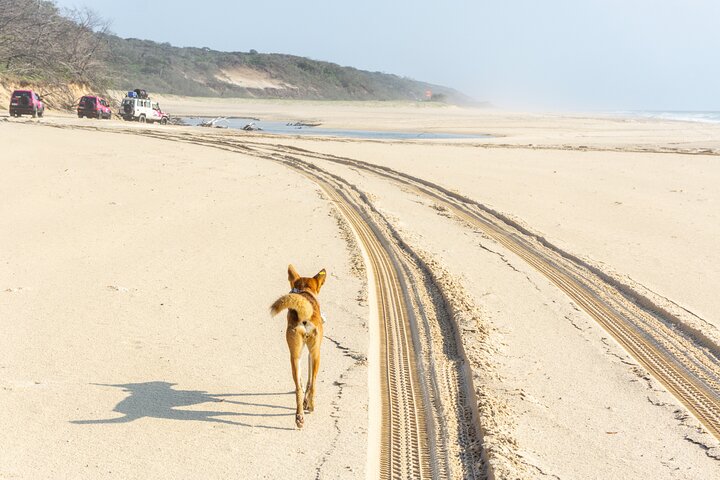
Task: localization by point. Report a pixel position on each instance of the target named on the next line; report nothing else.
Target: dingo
(304, 327)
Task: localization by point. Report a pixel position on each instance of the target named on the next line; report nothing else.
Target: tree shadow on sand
(159, 400)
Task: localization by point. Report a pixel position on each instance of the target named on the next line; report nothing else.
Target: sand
(132, 348)
(137, 274)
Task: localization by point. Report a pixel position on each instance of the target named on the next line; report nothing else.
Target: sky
(592, 55)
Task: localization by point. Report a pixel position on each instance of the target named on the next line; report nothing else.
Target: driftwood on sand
(214, 122)
(304, 124)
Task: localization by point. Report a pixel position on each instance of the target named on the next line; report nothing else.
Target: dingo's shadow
(159, 400)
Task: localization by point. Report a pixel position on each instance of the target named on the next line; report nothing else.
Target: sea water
(290, 128)
(685, 116)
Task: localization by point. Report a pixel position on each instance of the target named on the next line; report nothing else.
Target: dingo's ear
(292, 275)
(320, 278)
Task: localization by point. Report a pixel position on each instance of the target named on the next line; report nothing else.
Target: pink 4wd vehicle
(26, 102)
(93, 107)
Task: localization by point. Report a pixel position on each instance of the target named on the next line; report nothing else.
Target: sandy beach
(139, 262)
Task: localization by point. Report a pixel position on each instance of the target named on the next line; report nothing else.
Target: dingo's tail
(293, 301)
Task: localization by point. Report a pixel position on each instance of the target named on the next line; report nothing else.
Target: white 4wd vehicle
(143, 110)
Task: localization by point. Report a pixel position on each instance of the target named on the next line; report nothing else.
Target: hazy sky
(544, 54)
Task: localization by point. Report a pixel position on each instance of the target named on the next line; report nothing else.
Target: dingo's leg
(313, 369)
(295, 343)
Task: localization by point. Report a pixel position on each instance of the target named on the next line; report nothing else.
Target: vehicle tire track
(429, 425)
(426, 430)
(684, 360)
(679, 356)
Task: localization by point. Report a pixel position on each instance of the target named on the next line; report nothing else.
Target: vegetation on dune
(202, 72)
(42, 45)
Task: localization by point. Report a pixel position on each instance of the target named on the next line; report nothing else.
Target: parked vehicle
(26, 102)
(91, 106)
(134, 108)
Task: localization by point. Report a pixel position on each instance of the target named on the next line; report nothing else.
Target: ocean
(685, 116)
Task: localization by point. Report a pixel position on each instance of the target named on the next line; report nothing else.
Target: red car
(26, 102)
(93, 107)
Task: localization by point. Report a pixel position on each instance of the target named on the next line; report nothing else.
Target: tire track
(426, 430)
(429, 426)
(679, 357)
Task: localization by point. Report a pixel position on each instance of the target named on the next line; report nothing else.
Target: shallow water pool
(287, 128)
